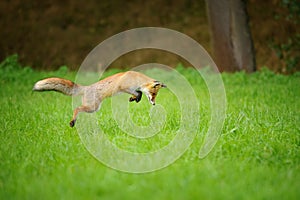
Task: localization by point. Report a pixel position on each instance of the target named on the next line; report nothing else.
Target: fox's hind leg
(83, 108)
(137, 96)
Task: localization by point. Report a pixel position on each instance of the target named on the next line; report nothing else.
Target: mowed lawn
(256, 157)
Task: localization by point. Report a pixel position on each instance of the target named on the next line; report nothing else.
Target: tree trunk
(232, 43)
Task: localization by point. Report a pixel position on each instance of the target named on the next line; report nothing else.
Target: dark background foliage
(49, 34)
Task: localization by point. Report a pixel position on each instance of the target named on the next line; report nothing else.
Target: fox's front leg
(137, 96)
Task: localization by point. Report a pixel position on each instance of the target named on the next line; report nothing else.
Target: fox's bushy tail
(58, 84)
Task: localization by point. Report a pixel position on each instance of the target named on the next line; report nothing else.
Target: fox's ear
(158, 83)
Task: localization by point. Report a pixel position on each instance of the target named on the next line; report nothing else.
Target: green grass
(256, 157)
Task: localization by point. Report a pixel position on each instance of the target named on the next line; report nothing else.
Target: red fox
(130, 82)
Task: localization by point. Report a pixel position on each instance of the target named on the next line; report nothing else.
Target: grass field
(256, 157)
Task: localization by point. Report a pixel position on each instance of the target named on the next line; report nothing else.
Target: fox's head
(151, 90)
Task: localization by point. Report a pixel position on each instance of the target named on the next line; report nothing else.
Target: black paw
(72, 123)
(136, 98)
(139, 97)
(131, 99)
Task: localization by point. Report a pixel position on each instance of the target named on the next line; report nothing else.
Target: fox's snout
(152, 102)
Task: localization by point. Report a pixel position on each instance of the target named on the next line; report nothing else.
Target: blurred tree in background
(231, 36)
